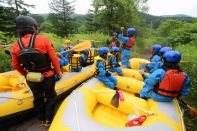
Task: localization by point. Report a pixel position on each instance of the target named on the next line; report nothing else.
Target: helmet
(172, 56)
(114, 34)
(115, 49)
(103, 50)
(67, 41)
(156, 47)
(25, 22)
(131, 31)
(164, 50)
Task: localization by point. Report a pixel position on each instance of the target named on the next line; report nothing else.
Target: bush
(189, 53)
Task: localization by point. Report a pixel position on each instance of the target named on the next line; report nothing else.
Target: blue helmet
(131, 31)
(164, 50)
(156, 48)
(172, 56)
(103, 50)
(115, 49)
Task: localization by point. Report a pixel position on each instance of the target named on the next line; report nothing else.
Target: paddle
(79, 47)
(193, 111)
(156, 62)
(92, 41)
(115, 100)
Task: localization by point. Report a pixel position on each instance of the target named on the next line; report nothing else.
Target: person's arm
(53, 57)
(158, 65)
(151, 81)
(15, 63)
(113, 61)
(185, 88)
(101, 68)
(123, 39)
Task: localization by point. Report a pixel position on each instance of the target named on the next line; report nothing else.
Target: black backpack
(31, 59)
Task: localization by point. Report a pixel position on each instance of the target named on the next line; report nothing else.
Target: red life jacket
(113, 44)
(171, 84)
(129, 44)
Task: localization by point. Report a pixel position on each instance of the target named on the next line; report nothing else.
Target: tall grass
(189, 53)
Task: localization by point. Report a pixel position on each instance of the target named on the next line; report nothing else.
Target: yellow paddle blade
(82, 46)
(193, 111)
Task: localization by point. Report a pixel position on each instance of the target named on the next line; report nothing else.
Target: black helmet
(25, 22)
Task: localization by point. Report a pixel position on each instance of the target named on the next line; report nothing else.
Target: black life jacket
(31, 59)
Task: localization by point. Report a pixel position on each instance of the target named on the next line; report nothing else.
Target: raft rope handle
(77, 118)
(21, 82)
(19, 101)
(150, 113)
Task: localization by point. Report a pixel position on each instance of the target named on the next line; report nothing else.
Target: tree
(168, 26)
(111, 14)
(7, 17)
(61, 16)
(89, 21)
(19, 6)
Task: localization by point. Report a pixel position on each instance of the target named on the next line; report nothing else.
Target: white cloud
(81, 6)
(157, 7)
(171, 7)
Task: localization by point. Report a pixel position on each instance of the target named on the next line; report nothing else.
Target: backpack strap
(32, 40)
(20, 43)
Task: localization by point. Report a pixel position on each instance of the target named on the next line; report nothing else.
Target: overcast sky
(156, 7)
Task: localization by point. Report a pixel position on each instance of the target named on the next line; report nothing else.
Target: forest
(107, 16)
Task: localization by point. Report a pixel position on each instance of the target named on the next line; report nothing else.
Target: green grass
(189, 53)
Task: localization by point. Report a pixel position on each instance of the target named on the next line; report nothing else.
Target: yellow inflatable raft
(16, 97)
(89, 109)
(135, 62)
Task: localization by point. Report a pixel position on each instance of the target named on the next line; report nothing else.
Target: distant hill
(156, 20)
(176, 16)
(147, 18)
(45, 15)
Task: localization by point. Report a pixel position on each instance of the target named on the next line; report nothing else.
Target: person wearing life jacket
(153, 59)
(113, 65)
(168, 82)
(102, 72)
(87, 57)
(33, 53)
(66, 46)
(128, 43)
(159, 63)
(114, 41)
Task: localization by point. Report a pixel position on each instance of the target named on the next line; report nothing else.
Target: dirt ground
(32, 124)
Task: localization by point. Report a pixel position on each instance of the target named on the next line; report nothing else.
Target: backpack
(31, 59)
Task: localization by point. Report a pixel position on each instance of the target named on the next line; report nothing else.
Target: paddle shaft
(189, 107)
